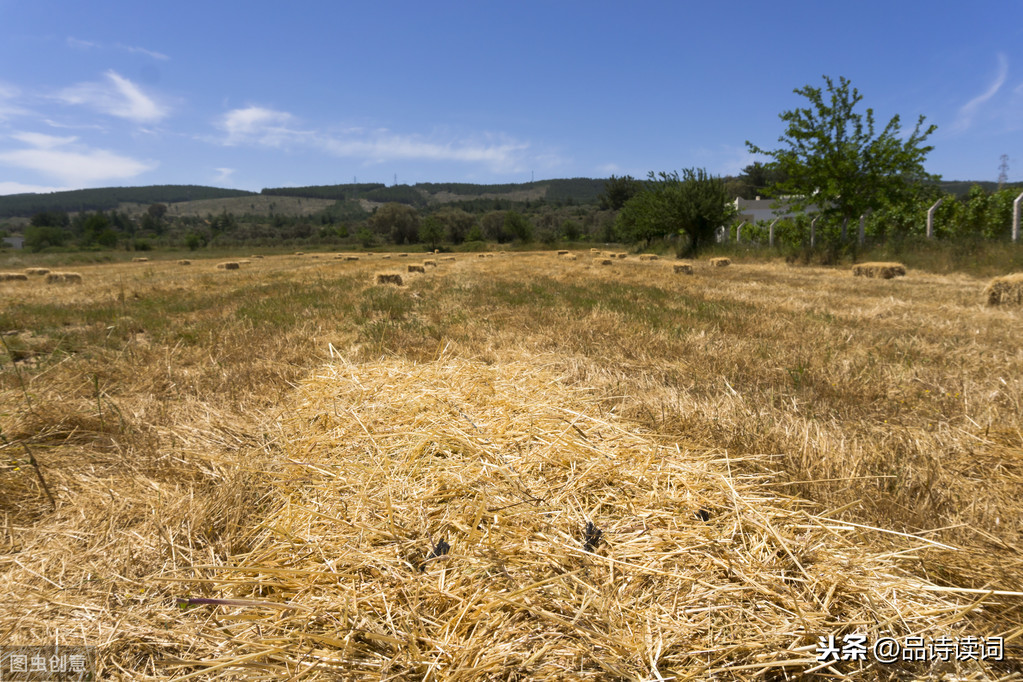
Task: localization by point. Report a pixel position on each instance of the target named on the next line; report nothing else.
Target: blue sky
(258, 94)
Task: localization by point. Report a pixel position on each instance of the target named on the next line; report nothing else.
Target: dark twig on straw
(703, 515)
(591, 535)
(439, 550)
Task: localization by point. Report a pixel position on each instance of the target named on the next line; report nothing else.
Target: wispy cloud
(969, 111)
(259, 126)
(8, 108)
(223, 174)
(72, 164)
(117, 96)
(92, 45)
(21, 188)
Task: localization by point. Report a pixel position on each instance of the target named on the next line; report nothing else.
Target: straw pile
(37, 271)
(720, 262)
(386, 256)
(448, 259)
(602, 261)
(228, 265)
(63, 278)
(402, 255)
(255, 256)
(184, 262)
(416, 268)
(350, 258)
(1005, 290)
(621, 255)
(594, 250)
(457, 520)
(244, 261)
(882, 270)
(13, 277)
(683, 269)
(563, 252)
(571, 256)
(140, 260)
(431, 263)
(389, 278)
(648, 256)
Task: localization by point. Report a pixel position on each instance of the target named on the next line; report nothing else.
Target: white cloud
(969, 110)
(259, 126)
(89, 45)
(223, 174)
(73, 165)
(609, 168)
(22, 188)
(8, 109)
(118, 96)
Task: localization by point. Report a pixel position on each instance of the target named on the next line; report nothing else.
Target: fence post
(930, 218)
(813, 232)
(863, 233)
(770, 236)
(738, 232)
(1015, 218)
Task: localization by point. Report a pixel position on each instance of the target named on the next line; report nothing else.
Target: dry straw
(13, 277)
(37, 271)
(683, 269)
(648, 256)
(458, 520)
(228, 265)
(880, 270)
(416, 268)
(389, 278)
(1005, 290)
(63, 278)
(602, 261)
(720, 262)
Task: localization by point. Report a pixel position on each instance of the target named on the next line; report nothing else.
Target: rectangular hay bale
(880, 270)
(416, 268)
(63, 278)
(683, 269)
(389, 278)
(228, 265)
(37, 271)
(648, 256)
(720, 262)
(13, 277)
(1005, 290)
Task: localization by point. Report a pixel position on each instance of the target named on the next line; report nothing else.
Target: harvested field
(1007, 290)
(510, 469)
(880, 270)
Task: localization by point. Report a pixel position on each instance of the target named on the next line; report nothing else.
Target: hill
(108, 198)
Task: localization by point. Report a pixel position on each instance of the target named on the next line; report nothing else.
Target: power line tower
(1003, 170)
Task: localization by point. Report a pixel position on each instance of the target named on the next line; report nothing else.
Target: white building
(16, 242)
(755, 210)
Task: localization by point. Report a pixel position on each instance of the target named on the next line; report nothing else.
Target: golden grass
(389, 278)
(13, 277)
(682, 269)
(879, 270)
(1005, 290)
(63, 278)
(228, 265)
(720, 262)
(774, 456)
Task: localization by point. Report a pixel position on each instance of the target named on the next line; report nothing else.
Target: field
(515, 467)
(257, 205)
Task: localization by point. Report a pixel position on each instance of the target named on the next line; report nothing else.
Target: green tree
(516, 225)
(833, 158)
(456, 222)
(431, 231)
(695, 204)
(493, 227)
(39, 237)
(399, 221)
(618, 191)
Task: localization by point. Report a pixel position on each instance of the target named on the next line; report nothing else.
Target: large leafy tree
(401, 222)
(694, 203)
(833, 157)
(617, 191)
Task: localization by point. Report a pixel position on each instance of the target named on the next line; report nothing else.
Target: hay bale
(720, 262)
(386, 256)
(1005, 290)
(602, 261)
(228, 265)
(37, 271)
(63, 278)
(436, 251)
(300, 253)
(184, 262)
(412, 267)
(481, 255)
(571, 256)
(563, 252)
(255, 256)
(448, 259)
(648, 256)
(13, 277)
(244, 262)
(390, 278)
(430, 263)
(881, 270)
(621, 255)
(140, 260)
(402, 255)
(350, 258)
(594, 251)
(683, 269)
